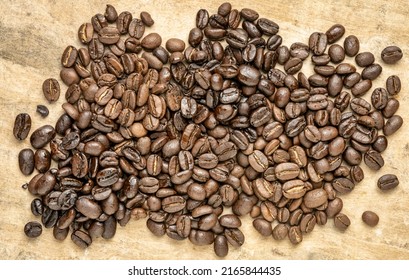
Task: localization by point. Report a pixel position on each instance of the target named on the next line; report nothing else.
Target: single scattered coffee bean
(33, 229)
(391, 54)
(370, 218)
(22, 126)
(393, 85)
(42, 110)
(26, 161)
(388, 182)
(51, 89)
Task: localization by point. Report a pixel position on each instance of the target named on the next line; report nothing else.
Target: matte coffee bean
(364, 59)
(392, 125)
(393, 85)
(371, 72)
(351, 45)
(388, 182)
(373, 160)
(391, 54)
(315, 198)
(221, 247)
(370, 218)
(341, 221)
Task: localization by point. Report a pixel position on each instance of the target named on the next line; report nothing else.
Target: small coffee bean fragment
(42, 110)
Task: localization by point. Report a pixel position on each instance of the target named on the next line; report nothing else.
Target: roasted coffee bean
(388, 182)
(370, 218)
(42, 110)
(42, 136)
(364, 59)
(81, 239)
(391, 54)
(351, 45)
(334, 33)
(392, 125)
(295, 235)
(371, 72)
(341, 221)
(26, 161)
(221, 247)
(336, 53)
(22, 126)
(51, 89)
(33, 229)
(373, 160)
(393, 85)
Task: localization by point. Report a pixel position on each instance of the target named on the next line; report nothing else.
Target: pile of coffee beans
(194, 136)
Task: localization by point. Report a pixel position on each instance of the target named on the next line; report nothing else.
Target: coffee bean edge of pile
(177, 134)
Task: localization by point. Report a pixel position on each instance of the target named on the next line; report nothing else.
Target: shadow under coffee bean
(176, 133)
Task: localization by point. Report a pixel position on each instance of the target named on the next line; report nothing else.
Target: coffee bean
(351, 45)
(42, 110)
(391, 54)
(295, 235)
(334, 33)
(393, 85)
(373, 160)
(42, 136)
(370, 218)
(33, 229)
(81, 239)
(51, 89)
(392, 125)
(364, 59)
(22, 126)
(388, 182)
(341, 221)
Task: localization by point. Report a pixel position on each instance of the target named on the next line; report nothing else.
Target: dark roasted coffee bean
(393, 85)
(26, 161)
(371, 72)
(393, 124)
(379, 98)
(268, 27)
(33, 229)
(334, 33)
(336, 53)
(221, 247)
(42, 136)
(388, 182)
(370, 218)
(42, 110)
(318, 43)
(391, 54)
(373, 160)
(22, 126)
(351, 45)
(364, 59)
(81, 239)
